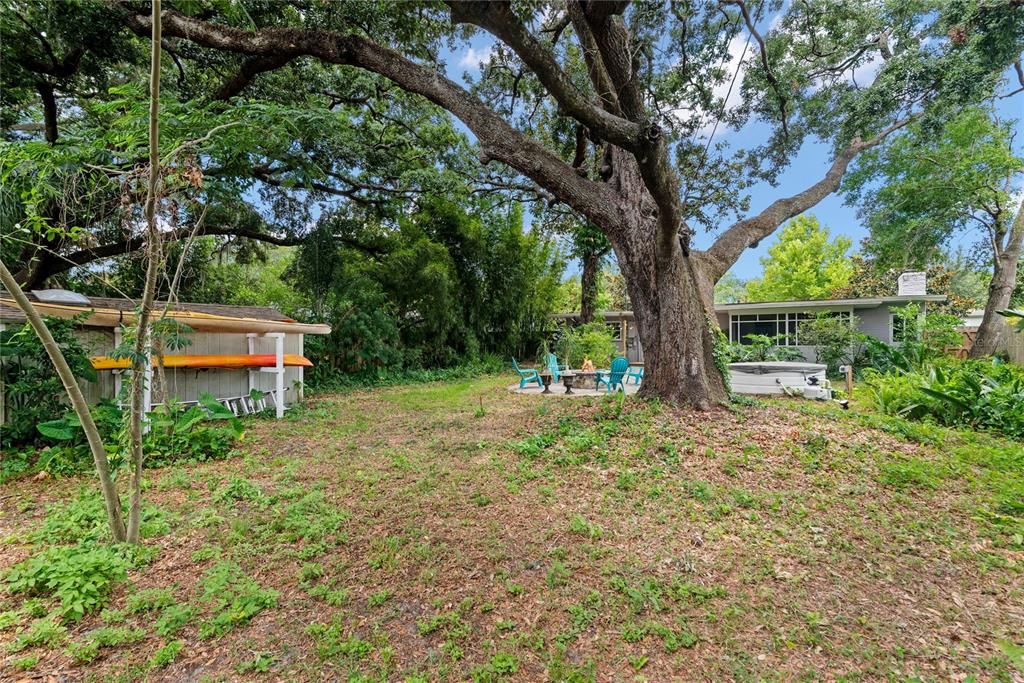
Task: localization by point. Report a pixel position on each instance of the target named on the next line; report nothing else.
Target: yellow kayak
(263, 360)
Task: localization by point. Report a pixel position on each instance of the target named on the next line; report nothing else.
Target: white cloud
(472, 57)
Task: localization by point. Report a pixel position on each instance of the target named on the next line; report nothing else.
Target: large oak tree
(611, 108)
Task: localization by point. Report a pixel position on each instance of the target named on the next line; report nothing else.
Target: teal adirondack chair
(526, 375)
(554, 369)
(636, 373)
(612, 379)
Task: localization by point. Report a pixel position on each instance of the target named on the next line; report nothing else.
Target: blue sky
(808, 166)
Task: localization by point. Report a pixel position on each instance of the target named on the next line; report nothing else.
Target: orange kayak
(263, 360)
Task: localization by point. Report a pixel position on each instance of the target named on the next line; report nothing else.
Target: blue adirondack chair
(526, 375)
(612, 379)
(636, 373)
(554, 369)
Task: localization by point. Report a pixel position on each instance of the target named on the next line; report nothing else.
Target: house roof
(828, 303)
(772, 305)
(209, 317)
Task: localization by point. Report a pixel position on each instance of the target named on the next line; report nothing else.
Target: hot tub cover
(778, 367)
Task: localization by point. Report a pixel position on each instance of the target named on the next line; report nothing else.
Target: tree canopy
(609, 110)
(933, 183)
(805, 263)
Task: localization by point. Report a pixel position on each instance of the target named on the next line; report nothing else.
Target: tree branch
(251, 68)
(764, 61)
(49, 110)
(498, 140)
(498, 19)
(748, 232)
(51, 263)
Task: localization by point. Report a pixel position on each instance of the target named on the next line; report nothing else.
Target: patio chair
(636, 373)
(554, 368)
(526, 375)
(612, 379)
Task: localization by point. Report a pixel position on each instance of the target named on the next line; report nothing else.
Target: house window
(785, 327)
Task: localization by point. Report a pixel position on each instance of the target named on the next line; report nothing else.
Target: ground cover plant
(455, 531)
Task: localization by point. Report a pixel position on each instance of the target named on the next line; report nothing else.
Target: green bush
(593, 340)
(80, 577)
(201, 432)
(763, 348)
(32, 390)
(956, 393)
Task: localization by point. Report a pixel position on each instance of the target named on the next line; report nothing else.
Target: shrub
(33, 392)
(969, 393)
(85, 519)
(593, 340)
(835, 339)
(80, 577)
(762, 348)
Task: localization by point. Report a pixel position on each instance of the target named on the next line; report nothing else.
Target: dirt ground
(462, 532)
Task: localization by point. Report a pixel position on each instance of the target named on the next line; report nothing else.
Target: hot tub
(779, 377)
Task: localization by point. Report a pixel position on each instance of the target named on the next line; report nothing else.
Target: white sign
(912, 284)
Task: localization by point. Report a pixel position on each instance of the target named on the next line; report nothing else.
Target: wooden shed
(232, 350)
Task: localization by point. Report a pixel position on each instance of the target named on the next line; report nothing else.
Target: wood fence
(1011, 342)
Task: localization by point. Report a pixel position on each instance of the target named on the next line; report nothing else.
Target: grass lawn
(459, 532)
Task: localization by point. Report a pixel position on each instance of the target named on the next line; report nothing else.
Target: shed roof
(196, 315)
(9, 311)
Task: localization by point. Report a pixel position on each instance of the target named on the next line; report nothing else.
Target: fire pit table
(581, 377)
(545, 377)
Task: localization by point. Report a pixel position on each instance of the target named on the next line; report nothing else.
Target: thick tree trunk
(673, 306)
(588, 286)
(677, 342)
(1004, 279)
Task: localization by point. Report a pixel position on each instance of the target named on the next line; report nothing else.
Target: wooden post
(849, 381)
(625, 333)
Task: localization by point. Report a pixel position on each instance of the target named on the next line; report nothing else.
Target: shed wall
(186, 384)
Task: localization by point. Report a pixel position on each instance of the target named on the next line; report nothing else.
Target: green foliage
(149, 600)
(804, 264)
(872, 278)
(970, 393)
(382, 377)
(88, 648)
(331, 642)
(924, 340)
(730, 289)
(446, 285)
(926, 186)
(201, 432)
(836, 339)
(232, 597)
(33, 393)
(500, 665)
(173, 618)
(761, 348)
(593, 340)
(84, 519)
(80, 577)
(44, 631)
(166, 654)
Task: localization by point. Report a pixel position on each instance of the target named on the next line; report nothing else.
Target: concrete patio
(558, 390)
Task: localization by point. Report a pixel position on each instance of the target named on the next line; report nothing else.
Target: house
(232, 351)
(781, 319)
